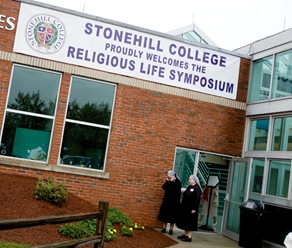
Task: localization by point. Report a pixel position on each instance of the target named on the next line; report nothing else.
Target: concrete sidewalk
(201, 239)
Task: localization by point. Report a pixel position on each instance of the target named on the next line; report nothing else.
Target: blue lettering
(71, 51)
(88, 28)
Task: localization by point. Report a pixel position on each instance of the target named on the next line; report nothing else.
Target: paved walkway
(202, 239)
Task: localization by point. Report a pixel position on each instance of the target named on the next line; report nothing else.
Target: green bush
(115, 216)
(83, 229)
(49, 190)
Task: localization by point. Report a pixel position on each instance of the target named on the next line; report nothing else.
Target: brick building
(96, 123)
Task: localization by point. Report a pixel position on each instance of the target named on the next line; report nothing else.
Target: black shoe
(170, 232)
(182, 236)
(163, 230)
(186, 239)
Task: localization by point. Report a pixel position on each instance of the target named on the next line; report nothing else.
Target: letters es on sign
(7, 22)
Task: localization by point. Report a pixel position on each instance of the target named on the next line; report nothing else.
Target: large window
(271, 77)
(30, 113)
(281, 139)
(87, 124)
(258, 135)
(273, 160)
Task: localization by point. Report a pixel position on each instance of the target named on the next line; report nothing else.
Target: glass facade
(269, 140)
(278, 169)
(271, 79)
(270, 133)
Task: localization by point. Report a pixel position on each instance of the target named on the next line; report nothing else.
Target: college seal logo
(45, 34)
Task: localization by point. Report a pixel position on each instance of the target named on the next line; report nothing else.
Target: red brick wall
(8, 8)
(243, 80)
(146, 128)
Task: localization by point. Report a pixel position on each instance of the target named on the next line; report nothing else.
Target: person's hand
(193, 211)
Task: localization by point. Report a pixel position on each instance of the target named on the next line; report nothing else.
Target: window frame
(281, 171)
(267, 156)
(272, 96)
(32, 114)
(84, 170)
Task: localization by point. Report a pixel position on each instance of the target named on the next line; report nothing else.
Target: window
(277, 69)
(193, 36)
(282, 79)
(258, 135)
(257, 174)
(260, 79)
(184, 164)
(278, 178)
(276, 165)
(282, 134)
(30, 113)
(87, 124)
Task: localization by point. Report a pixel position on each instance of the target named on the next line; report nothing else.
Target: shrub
(83, 229)
(115, 216)
(49, 190)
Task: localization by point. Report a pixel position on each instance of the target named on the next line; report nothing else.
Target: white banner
(86, 42)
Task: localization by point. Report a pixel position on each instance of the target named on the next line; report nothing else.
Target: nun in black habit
(187, 218)
(171, 201)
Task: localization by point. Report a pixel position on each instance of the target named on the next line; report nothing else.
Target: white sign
(86, 42)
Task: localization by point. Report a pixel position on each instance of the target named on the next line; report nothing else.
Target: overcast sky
(229, 23)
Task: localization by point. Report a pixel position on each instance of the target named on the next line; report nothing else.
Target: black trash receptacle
(251, 225)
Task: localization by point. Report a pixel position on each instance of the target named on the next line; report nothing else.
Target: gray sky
(229, 23)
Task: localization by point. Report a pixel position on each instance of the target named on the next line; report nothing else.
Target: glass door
(237, 194)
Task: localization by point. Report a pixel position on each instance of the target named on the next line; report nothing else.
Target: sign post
(213, 182)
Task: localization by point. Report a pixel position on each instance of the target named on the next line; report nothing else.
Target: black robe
(171, 201)
(190, 201)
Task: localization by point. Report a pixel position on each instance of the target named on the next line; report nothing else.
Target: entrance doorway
(188, 162)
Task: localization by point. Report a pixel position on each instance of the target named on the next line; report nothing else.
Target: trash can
(251, 225)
